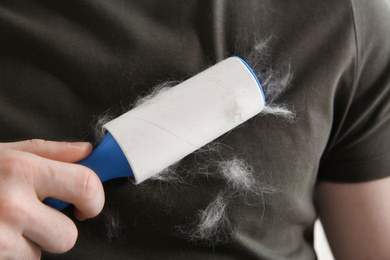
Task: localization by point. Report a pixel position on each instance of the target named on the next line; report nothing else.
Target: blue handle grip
(107, 161)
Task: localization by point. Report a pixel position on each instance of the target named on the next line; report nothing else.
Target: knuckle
(16, 174)
(9, 162)
(11, 211)
(7, 245)
(89, 185)
(12, 163)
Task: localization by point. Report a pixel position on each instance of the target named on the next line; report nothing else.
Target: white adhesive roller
(181, 120)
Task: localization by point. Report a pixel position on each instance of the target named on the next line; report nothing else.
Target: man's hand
(30, 171)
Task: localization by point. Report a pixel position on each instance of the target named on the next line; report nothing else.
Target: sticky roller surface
(184, 118)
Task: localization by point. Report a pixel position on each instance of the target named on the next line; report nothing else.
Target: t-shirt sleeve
(359, 145)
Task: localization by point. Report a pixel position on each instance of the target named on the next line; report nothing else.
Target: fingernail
(81, 144)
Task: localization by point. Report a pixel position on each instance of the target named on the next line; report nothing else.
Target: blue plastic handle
(107, 161)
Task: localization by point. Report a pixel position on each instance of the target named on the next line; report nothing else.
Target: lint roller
(175, 123)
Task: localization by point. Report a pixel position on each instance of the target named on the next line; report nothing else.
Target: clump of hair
(273, 81)
(113, 224)
(240, 177)
(213, 225)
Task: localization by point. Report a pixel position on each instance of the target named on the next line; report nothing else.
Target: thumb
(59, 151)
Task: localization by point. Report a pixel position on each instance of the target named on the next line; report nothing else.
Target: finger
(49, 228)
(60, 151)
(14, 246)
(72, 183)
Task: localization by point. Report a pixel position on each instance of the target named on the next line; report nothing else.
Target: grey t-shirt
(64, 63)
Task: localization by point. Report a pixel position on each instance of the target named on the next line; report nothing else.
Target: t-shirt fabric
(65, 63)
